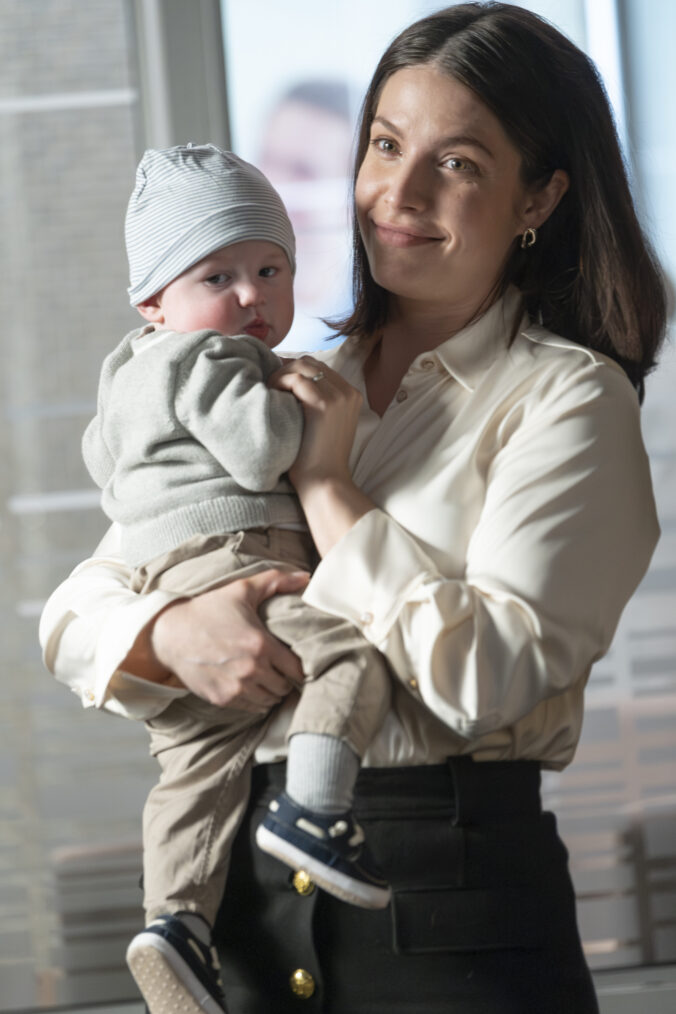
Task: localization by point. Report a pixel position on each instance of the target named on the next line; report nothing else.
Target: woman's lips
(392, 235)
(257, 329)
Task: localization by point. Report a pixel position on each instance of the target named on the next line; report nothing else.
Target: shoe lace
(216, 967)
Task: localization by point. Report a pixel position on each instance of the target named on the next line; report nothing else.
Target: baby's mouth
(258, 328)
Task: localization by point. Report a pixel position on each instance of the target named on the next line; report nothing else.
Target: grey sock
(321, 772)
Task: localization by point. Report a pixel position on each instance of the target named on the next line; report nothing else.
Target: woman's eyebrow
(387, 124)
(469, 140)
(452, 139)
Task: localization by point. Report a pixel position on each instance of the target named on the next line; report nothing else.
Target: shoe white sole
(167, 983)
(336, 883)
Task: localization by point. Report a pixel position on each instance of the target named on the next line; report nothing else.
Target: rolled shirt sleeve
(565, 531)
(88, 626)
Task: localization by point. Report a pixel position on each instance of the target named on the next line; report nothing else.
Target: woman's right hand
(217, 646)
(321, 473)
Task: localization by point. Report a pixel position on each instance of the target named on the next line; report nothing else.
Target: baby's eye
(218, 279)
(268, 272)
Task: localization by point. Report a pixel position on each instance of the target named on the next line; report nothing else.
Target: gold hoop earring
(529, 238)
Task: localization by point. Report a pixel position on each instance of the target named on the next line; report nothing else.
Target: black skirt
(482, 919)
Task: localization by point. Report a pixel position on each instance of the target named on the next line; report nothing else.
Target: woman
(473, 475)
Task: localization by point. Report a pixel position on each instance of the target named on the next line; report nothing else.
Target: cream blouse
(515, 517)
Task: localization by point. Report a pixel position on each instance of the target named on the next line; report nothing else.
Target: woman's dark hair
(592, 277)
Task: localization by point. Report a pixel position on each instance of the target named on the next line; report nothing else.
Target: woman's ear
(151, 309)
(540, 203)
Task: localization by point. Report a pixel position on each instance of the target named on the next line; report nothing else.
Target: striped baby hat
(190, 200)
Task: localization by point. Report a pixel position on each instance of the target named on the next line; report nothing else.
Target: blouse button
(302, 984)
(402, 395)
(302, 883)
(89, 695)
(413, 683)
(366, 618)
(427, 364)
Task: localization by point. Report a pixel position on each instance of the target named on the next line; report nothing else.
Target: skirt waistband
(466, 791)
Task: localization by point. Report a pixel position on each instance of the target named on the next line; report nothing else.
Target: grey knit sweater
(188, 439)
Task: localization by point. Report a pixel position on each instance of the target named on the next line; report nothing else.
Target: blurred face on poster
(305, 151)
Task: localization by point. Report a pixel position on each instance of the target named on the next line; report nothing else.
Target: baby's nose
(249, 294)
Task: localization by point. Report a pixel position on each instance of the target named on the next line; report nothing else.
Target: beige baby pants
(205, 752)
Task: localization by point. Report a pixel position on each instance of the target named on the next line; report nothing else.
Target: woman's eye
(385, 145)
(459, 164)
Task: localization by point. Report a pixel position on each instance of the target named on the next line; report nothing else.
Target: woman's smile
(401, 236)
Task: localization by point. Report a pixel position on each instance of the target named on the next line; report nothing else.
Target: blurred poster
(296, 74)
(304, 148)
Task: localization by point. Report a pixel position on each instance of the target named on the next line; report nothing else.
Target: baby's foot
(330, 848)
(174, 970)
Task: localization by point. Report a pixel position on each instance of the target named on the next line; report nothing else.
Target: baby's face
(244, 288)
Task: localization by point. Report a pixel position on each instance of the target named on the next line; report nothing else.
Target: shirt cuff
(87, 653)
(139, 699)
(370, 574)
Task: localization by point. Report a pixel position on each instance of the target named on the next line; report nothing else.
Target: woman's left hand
(331, 408)
(321, 472)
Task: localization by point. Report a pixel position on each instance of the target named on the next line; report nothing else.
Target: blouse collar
(467, 354)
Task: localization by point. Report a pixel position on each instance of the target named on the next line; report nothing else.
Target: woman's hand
(321, 472)
(217, 646)
(331, 408)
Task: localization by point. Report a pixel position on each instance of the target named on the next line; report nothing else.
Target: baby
(190, 447)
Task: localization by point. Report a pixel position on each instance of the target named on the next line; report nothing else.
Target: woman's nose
(409, 186)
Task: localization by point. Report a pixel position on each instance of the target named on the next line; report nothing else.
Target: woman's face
(439, 194)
